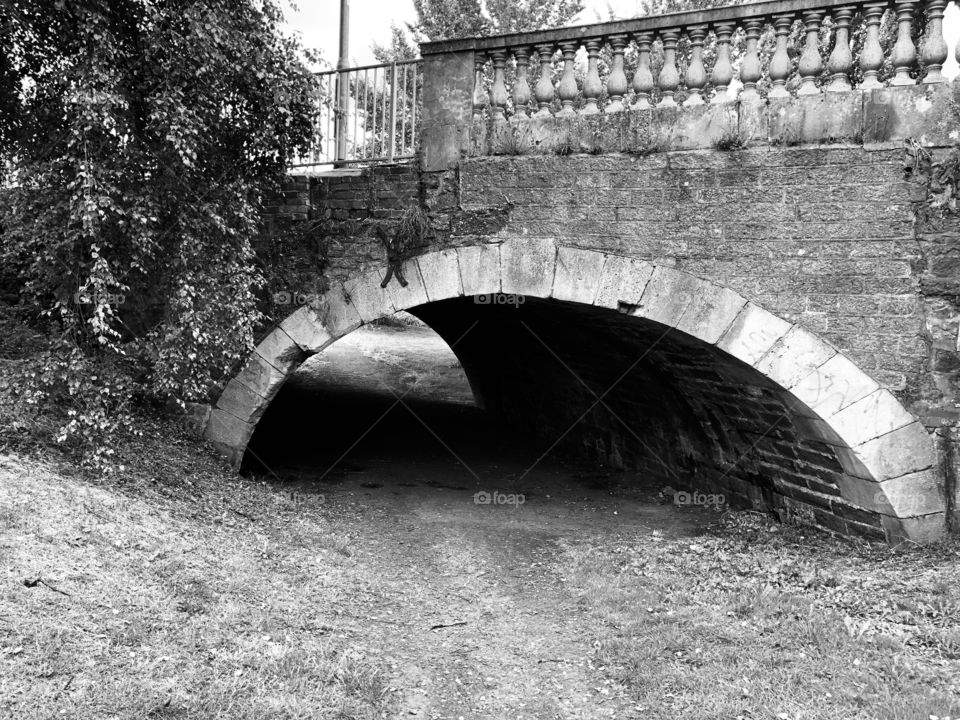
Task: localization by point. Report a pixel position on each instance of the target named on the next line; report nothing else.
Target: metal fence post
(341, 112)
(393, 111)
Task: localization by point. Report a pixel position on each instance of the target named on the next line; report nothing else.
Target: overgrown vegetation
(650, 145)
(732, 139)
(139, 139)
(566, 144)
(514, 140)
(940, 180)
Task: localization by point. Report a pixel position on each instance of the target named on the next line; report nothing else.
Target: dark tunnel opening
(571, 391)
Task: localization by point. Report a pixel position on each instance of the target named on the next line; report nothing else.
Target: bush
(137, 139)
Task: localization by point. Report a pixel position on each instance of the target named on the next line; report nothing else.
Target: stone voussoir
(336, 312)
(260, 377)
(441, 275)
(370, 300)
(870, 417)
(622, 281)
(527, 267)
(834, 385)
(753, 332)
(305, 327)
(908, 449)
(667, 296)
(242, 402)
(578, 275)
(479, 268)
(280, 350)
(228, 434)
(796, 354)
(910, 495)
(711, 312)
(409, 296)
(921, 530)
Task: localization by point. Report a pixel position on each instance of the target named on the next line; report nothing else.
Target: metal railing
(366, 114)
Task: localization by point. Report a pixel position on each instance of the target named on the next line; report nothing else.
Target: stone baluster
(750, 67)
(722, 74)
(871, 57)
(696, 77)
(543, 91)
(567, 88)
(810, 63)
(643, 77)
(498, 91)
(521, 88)
(669, 79)
(592, 87)
(904, 51)
(480, 97)
(617, 81)
(934, 50)
(780, 65)
(841, 59)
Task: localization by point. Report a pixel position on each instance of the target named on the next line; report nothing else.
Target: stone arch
(888, 458)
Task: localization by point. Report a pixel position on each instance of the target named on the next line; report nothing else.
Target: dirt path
(515, 645)
(522, 652)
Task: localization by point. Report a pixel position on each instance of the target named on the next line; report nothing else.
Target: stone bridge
(742, 280)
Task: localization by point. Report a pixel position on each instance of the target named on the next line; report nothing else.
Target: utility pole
(343, 81)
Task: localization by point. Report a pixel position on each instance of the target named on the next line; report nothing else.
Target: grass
(650, 146)
(515, 141)
(192, 593)
(791, 136)
(752, 623)
(565, 145)
(178, 605)
(732, 139)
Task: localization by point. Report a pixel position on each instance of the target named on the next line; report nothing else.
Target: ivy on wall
(940, 179)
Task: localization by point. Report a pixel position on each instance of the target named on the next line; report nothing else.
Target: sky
(317, 22)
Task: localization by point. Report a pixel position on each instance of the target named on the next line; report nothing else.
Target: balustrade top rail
(731, 13)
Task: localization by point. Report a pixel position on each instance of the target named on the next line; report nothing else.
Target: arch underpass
(640, 366)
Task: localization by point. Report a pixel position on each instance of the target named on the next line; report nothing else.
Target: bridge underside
(640, 367)
(631, 394)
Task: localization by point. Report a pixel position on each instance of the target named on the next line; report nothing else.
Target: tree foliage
(137, 138)
(446, 19)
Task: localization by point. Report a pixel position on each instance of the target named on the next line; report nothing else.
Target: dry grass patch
(176, 608)
(761, 622)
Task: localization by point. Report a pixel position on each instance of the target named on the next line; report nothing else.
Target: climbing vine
(940, 180)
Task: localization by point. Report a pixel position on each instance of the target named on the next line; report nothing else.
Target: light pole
(343, 81)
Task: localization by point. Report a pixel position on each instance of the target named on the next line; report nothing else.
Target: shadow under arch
(881, 459)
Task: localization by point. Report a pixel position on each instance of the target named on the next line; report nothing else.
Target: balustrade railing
(825, 64)
(366, 114)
